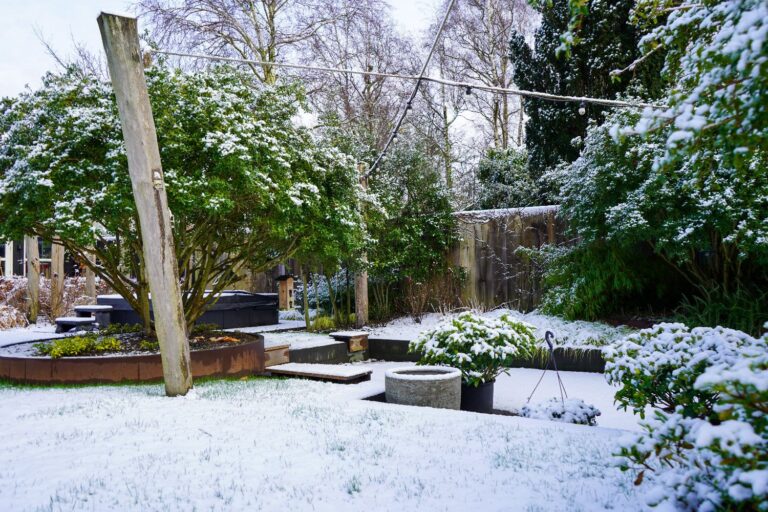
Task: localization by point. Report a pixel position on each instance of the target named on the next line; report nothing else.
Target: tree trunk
(121, 42)
(57, 280)
(317, 298)
(90, 278)
(304, 295)
(332, 298)
(33, 277)
(361, 277)
(361, 295)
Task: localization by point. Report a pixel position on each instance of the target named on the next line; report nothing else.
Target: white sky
(23, 59)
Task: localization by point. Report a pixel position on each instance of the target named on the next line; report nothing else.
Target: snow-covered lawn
(567, 333)
(269, 444)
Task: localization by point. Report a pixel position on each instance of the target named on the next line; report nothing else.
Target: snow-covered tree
(687, 181)
(244, 183)
(608, 41)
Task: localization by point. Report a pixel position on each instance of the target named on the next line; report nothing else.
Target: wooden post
(121, 42)
(33, 276)
(361, 277)
(90, 278)
(57, 280)
(8, 263)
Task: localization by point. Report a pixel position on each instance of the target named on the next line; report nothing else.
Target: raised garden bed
(244, 356)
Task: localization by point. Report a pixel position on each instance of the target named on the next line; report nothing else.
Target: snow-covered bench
(101, 313)
(69, 323)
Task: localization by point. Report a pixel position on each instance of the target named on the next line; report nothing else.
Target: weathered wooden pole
(361, 277)
(8, 263)
(121, 42)
(90, 277)
(57, 280)
(32, 253)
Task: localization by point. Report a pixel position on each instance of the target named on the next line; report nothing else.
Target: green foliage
(323, 323)
(245, 184)
(590, 281)
(607, 41)
(659, 367)
(687, 182)
(413, 228)
(504, 180)
(78, 346)
(149, 345)
(204, 328)
(745, 309)
(481, 347)
(113, 329)
(644, 233)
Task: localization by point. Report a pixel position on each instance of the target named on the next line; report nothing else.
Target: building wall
(495, 273)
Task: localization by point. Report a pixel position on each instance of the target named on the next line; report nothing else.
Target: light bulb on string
(582, 108)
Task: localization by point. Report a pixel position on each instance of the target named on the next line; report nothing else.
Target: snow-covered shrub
(659, 366)
(13, 292)
(570, 410)
(480, 347)
(676, 195)
(73, 293)
(11, 317)
(710, 464)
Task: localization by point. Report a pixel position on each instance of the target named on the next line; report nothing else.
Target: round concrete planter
(428, 386)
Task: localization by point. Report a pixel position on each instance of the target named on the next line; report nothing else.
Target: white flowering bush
(247, 186)
(719, 463)
(482, 348)
(570, 410)
(658, 367)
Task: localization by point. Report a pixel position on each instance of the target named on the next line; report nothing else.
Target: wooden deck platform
(342, 374)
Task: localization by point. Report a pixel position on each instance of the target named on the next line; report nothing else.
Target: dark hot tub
(233, 309)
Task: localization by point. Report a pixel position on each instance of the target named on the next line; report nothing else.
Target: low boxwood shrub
(658, 367)
(482, 348)
(710, 464)
(78, 345)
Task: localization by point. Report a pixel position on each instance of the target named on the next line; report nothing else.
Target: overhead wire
(471, 85)
(415, 91)
(421, 77)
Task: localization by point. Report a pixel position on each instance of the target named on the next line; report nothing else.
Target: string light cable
(464, 85)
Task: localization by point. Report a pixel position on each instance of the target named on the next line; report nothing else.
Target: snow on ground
(30, 333)
(512, 390)
(297, 340)
(271, 444)
(283, 325)
(567, 333)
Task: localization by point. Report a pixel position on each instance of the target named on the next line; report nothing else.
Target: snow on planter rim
(423, 373)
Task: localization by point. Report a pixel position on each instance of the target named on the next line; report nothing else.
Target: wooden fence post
(8, 263)
(32, 253)
(57, 280)
(361, 277)
(90, 278)
(121, 42)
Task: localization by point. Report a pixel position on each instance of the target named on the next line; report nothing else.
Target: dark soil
(132, 342)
